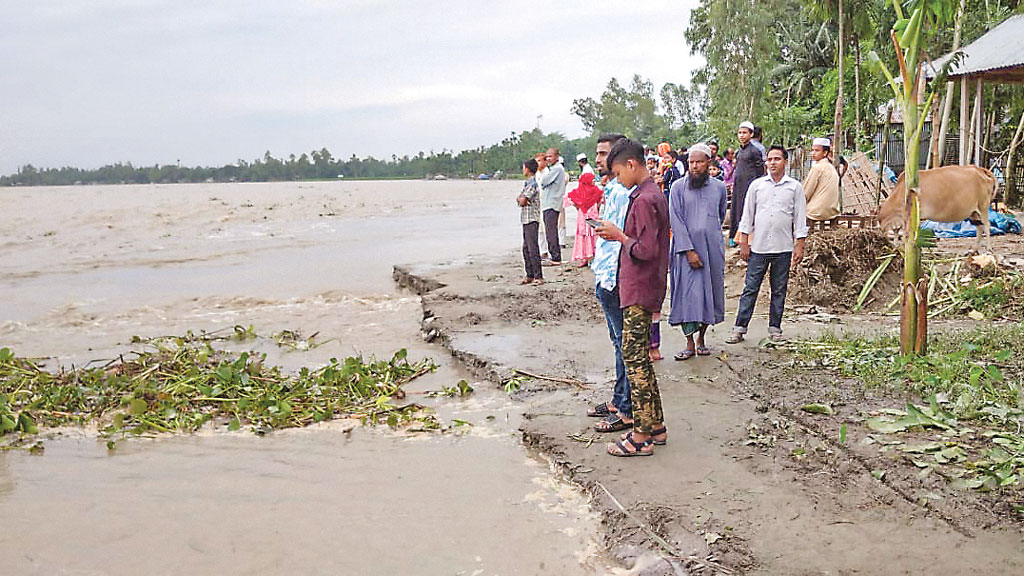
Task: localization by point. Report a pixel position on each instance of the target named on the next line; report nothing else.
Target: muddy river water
(84, 269)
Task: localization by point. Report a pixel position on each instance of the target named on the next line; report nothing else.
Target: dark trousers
(777, 266)
(609, 300)
(551, 233)
(531, 250)
(736, 211)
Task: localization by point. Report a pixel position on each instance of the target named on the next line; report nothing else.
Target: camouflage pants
(644, 393)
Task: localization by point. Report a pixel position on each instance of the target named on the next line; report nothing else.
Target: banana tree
(914, 27)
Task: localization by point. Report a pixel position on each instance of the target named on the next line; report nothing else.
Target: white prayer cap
(823, 142)
(700, 147)
(581, 156)
(748, 125)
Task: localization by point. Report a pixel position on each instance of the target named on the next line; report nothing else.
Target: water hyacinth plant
(184, 383)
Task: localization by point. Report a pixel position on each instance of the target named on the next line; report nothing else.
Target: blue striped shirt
(606, 252)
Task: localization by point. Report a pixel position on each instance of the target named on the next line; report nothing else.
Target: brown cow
(948, 194)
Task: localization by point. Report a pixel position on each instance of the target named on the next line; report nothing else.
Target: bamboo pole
(947, 106)
(933, 145)
(977, 122)
(856, 98)
(964, 127)
(882, 152)
(1011, 165)
(837, 140)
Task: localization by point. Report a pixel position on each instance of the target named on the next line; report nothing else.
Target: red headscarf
(586, 194)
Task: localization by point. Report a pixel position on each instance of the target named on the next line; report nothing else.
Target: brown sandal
(619, 447)
(656, 432)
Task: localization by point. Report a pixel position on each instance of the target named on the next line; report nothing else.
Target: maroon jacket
(643, 260)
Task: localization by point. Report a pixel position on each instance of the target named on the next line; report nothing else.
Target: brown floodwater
(84, 269)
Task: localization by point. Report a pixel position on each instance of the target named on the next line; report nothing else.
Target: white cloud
(209, 82)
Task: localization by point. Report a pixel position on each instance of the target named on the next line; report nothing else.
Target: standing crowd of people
(651, 224)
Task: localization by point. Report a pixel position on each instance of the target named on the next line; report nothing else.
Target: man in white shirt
(775, 214)
(552, 193)
(585, 167)
(821, 186)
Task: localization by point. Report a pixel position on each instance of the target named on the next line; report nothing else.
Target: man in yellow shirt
(821, 187)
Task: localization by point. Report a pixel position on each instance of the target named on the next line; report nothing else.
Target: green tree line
(775, 62)
(635, 111)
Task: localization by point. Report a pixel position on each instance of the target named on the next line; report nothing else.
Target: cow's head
(891, 222)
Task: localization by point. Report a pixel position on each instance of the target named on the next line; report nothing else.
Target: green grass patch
(971, 384)
(183, 383)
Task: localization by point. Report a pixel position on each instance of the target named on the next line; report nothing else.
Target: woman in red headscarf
(586, 197)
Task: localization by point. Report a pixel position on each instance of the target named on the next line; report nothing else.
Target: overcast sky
(88, 83)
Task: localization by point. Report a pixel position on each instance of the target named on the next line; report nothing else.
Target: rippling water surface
(84, 269)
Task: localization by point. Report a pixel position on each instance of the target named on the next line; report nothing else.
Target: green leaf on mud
(924, 417)
(885, 425)
(913, 417)
(234, 424)
(818, 409)
(923, 448)
(26, 424)
(967, 483)
(951, 454)
(137, 407)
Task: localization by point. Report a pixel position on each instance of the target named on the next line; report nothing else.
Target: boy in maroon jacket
(643, 278)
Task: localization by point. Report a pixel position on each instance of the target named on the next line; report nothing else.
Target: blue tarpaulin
(1000, 224)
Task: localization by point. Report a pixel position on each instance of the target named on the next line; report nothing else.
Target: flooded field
(83, 270)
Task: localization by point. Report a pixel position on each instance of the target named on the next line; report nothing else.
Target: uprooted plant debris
(183, 383)
(838, 262)
(972, 386)
(979, 286)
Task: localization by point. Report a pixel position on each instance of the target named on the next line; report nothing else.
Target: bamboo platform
(860, 196)
(843, 221)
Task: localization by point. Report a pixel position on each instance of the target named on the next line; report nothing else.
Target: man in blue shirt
(618, 413)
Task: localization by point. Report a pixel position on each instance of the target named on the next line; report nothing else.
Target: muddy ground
(748, 483)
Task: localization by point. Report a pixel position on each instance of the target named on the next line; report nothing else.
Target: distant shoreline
(364, 179)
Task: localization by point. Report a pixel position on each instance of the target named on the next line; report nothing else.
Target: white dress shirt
(776, 213)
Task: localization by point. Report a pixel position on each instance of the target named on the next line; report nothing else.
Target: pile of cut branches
(977, 286)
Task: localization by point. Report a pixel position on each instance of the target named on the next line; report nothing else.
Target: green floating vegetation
(973, 385)
(183, 383)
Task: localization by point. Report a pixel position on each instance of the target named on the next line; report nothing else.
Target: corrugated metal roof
(999, 49)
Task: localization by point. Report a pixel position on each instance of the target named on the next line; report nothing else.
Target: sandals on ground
(656, 432)
(703, 351)
(684, 355)
(612, 423)
(619, 447)
(734, 338)
(599, 410)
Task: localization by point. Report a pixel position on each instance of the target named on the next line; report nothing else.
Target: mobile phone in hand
(592, 223)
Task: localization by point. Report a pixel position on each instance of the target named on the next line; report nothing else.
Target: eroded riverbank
(747, 482)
